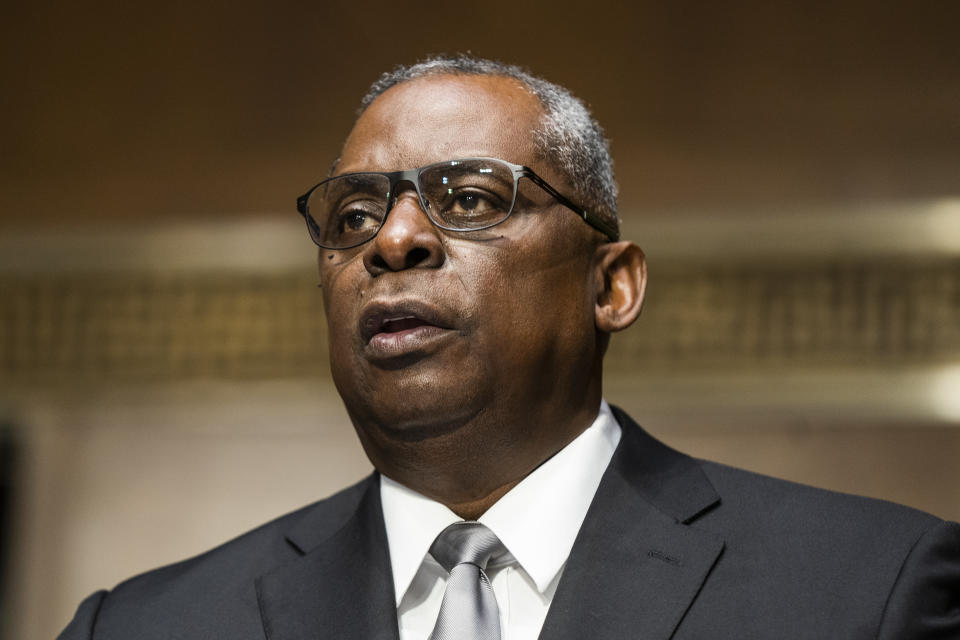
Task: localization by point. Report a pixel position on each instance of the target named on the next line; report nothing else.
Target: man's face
(443, 340)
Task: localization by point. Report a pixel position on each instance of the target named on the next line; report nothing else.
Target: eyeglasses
(457, 195)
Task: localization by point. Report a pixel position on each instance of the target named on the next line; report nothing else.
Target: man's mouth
(399, 325)
(398, 329)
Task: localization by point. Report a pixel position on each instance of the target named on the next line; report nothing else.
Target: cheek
(535, 302)
(342, 292)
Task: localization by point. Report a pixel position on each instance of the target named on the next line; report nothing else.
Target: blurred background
(791, 169)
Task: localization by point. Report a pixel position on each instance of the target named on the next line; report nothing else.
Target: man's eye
(469, 201)
(472, 202)
(354, 220)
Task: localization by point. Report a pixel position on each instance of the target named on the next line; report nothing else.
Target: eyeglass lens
(460, 195)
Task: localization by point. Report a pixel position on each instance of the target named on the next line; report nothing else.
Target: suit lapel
(635, 569)
(341, 586)
(636, 566)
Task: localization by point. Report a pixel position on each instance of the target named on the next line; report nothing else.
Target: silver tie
(469, 608)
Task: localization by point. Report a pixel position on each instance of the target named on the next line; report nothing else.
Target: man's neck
(472, 510)
(470, 466)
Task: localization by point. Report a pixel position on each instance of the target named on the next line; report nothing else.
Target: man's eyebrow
(333, 167)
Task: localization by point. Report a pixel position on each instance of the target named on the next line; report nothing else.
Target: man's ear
(622, 279)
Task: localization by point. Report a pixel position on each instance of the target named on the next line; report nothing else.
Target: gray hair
(568, 137)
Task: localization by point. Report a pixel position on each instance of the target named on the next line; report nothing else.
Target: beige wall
(117, 481)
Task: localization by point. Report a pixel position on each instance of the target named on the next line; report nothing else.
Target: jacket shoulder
(215, 589)
(764, 501)
(832, 564)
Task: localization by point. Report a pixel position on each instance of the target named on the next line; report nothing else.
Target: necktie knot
(469, 609)
(466, 542)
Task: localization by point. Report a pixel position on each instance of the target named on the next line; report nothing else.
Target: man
(472, 276)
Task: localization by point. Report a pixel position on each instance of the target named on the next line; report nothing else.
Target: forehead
(441, 117)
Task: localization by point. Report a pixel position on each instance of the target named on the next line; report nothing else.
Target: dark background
(129, 111)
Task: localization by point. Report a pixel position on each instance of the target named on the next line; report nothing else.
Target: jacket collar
(339, 585)
(671, 481)
(637, 565)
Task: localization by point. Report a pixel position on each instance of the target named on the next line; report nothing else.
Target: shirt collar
(538, 520)
(412, 521)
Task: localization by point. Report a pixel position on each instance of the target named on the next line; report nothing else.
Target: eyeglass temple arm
(302, 202)
(593, 220)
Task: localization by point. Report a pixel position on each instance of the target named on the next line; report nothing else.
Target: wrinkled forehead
(438, 118)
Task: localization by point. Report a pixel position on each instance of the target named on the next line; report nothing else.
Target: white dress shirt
(537, 521)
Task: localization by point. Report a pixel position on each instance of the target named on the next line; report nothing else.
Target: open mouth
(396, 331)
(392, 319)
(399, 325)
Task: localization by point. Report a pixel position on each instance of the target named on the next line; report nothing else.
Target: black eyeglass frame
(413, 177)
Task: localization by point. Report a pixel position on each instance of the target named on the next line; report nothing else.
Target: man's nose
(406, 240)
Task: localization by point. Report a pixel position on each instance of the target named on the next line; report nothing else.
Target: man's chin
(421, 432)
(410, 422)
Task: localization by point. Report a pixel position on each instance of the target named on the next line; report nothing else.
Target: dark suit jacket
(671, 548)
